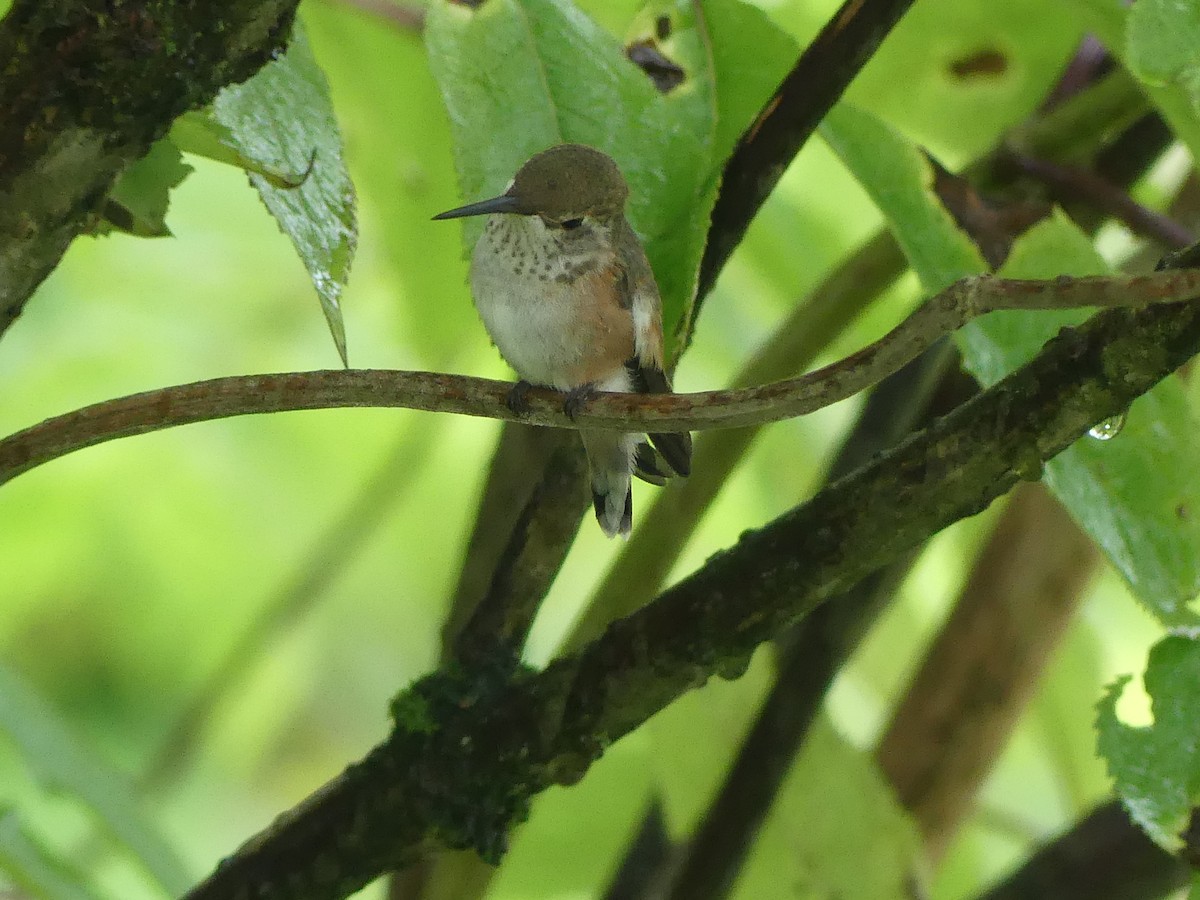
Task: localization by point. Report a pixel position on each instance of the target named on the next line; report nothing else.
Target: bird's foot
(577, 398)
(518, 397)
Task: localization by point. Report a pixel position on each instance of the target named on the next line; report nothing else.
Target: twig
(250, 394)
(1073, 183)
(466, 756)
(1103, 857)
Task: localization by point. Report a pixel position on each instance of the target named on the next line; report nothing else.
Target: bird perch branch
(248, 394)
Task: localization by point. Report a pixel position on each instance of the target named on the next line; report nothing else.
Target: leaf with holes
(138, 201)
(1156, 768)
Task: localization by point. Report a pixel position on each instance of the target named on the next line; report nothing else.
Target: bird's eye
(570, 224)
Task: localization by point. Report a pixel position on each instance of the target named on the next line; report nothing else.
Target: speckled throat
(537, 252)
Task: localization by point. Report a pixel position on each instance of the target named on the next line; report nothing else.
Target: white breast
(530, 316)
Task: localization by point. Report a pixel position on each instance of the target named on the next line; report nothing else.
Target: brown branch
(1067, 183)
(251, 394)
(467, 754)
(980, 672)
(77, 111)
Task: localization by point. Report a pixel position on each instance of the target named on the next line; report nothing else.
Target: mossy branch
(87, 87)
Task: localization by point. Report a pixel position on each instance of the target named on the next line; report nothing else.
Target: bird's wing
(646, 365)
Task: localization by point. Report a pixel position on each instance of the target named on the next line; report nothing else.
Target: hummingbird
(563, 287)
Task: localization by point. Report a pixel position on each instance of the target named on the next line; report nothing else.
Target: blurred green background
(128, 572)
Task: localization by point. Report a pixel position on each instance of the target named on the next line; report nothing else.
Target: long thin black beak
(505, 203)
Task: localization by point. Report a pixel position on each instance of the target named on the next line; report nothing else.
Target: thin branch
(468, 753)
(251, 394)
(1068, 183)
(789, 118)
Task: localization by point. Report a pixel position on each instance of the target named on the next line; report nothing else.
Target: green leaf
(955, 75)
(63, 764)
(740, 55)
(138, 202)
(1138, 45)
(1163, 43)
(518, 76)
(34, 868)
(1136, 494)
(899, 178)
(198, 132)
(835, 811)
(732, 48)
(1157, 767)
(283, 119)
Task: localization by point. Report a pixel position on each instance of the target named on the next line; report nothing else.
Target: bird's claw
(577, 399)
(518, 397)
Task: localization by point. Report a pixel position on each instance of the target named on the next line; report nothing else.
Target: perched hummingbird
(564, 289)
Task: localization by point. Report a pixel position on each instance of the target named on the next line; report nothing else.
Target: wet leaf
(283, 120)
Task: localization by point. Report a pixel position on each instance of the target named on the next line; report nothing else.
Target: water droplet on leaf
(1107, 429)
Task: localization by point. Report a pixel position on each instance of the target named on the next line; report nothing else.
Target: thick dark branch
(86, 88)
(789, 118)
(536, 548)
(248, 394)
(1103, 857)
(466, 757)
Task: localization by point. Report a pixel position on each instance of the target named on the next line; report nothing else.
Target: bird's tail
(611, 460)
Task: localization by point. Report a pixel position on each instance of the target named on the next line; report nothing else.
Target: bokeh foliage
(131, 570)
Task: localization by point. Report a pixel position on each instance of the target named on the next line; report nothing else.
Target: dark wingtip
(647, 465)
(676, 449)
